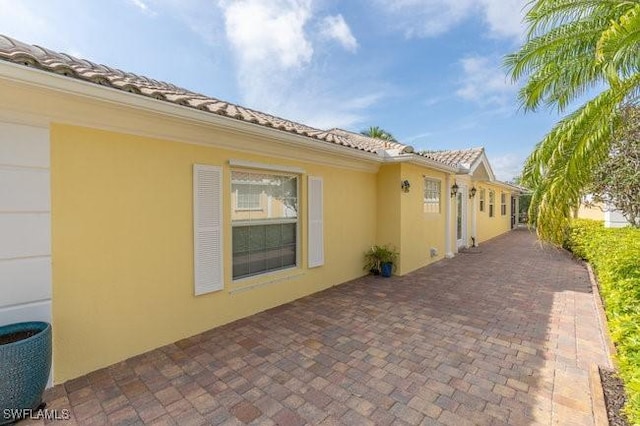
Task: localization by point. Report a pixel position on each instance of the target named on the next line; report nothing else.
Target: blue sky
(428, 71)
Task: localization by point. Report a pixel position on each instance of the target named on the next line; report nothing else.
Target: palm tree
(573, 47)
(378, 133)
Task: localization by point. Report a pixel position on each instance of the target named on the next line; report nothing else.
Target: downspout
(474, 229)
(447, 217)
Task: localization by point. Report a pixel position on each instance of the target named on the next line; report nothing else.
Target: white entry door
(461, 217)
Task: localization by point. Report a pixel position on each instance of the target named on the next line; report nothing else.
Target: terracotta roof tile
(357, 140)
(457, 157)
(17, 52)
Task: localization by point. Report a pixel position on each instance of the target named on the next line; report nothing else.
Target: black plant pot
(25, 363)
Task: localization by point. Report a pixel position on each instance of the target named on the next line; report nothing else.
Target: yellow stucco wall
(388, 204)
(594, 213)
(490, 227)
(420, 231)
(122, 237)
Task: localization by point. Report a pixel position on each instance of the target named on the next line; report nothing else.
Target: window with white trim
(492, 202)
(503, 204)
(432, 192)
(483, 193)
(264, 239)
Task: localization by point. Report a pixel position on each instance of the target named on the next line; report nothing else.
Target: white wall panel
(36, 311)
(24, 145)
(25, 235)
(614, 219)
(25, 224)
(25, 280)
(24, 190)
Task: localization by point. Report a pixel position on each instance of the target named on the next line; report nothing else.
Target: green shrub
(614, 255)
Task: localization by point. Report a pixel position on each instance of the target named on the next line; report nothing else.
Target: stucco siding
(421, 231)
(488, 226)
(123, 244)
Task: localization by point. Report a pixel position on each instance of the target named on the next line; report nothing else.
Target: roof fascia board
(421, 161)
(506, 185)
(47, 80)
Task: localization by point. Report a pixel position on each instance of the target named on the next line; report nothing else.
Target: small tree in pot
(381, 260)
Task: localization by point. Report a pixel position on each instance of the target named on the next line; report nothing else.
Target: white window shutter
(315, 226)
(207, 229)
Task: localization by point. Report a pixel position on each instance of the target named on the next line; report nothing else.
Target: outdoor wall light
(472, 192)
(454, 189)
(405, 185)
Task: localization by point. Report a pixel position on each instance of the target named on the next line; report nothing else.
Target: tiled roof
(459, 157)
(17, 52)
(401, 148)
(368, 142)
(12, 50)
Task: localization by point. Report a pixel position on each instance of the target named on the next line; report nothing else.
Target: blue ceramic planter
(24, 366)
(386, 269)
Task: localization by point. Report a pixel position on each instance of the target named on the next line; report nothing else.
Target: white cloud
(506, 166)
(140, 4)
(268, 31)
(277, 68)
(484, 81)
(335, 27)
(420, 138)
(34, 23)
(434, 100)
(505, 17)
(202, 17)
(428, 18)
(22, 22)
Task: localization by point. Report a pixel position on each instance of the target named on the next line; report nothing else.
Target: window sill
(269, 278)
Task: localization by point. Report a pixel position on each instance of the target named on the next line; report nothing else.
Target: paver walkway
(503, 335)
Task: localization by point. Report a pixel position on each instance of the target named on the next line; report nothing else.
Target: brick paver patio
(501, 335)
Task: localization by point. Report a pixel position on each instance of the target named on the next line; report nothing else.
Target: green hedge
(614, 255)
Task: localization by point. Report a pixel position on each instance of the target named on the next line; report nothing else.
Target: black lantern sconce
(405, 186)
(454, 189)
(472, 192)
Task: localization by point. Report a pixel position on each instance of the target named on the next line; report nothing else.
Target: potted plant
(25, 362)
(381, 260)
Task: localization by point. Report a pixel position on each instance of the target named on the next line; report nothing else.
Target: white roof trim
(48, 80)
(482, 159)
(420, 161)
(69, 86)
(263, 166)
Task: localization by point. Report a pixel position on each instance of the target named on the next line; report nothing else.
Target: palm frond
(544, 15)
(378, 133)
(561, 165)
(560, 64)
(619, 44)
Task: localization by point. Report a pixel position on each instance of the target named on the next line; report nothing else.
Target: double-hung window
(431, 203)
(264, 219)
(492, 202)
(503, 204)
(483, 193)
